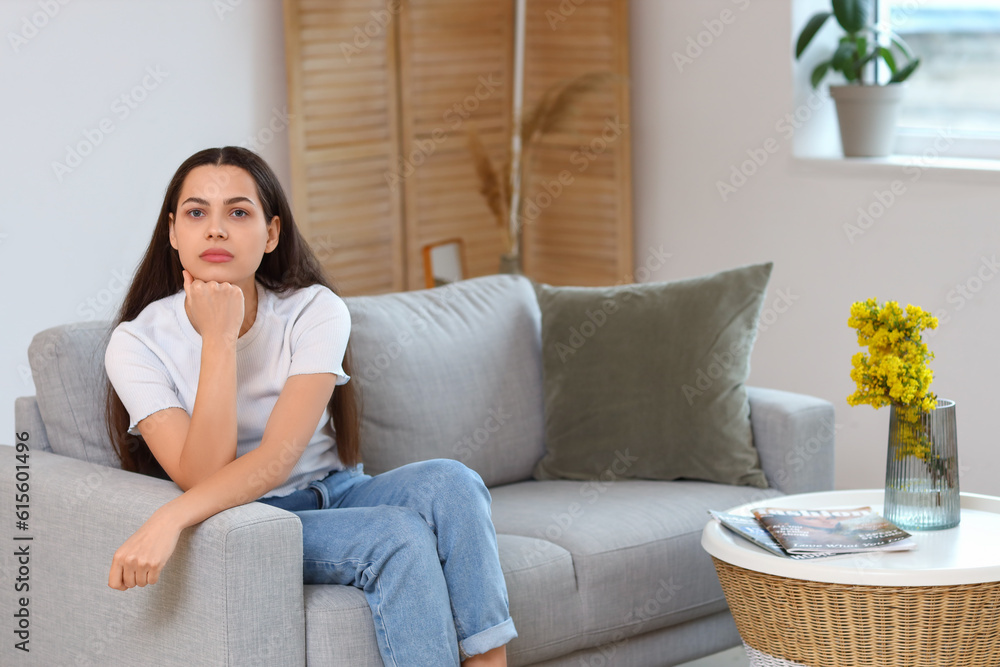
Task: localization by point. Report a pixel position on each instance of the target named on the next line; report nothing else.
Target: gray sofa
(604, 572)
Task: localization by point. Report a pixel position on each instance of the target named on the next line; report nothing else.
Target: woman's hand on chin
(215, 309)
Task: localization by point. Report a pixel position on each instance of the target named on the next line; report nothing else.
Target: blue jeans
(420, 543)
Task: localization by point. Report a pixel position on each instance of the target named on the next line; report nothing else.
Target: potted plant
(867, 111)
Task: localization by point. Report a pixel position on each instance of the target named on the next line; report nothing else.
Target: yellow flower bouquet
(924, 494)
(895, 369)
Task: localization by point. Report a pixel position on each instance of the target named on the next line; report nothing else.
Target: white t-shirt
(154, 362)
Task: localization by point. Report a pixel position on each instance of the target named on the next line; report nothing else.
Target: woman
(229, 358)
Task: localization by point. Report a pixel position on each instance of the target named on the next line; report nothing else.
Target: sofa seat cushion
(339, 626)
(635, 547)
(543, 598)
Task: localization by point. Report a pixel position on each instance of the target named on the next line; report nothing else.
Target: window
(956, 89)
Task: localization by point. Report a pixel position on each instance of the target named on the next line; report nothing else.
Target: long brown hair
(291, 265)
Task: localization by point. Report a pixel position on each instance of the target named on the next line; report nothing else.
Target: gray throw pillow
(647, 380)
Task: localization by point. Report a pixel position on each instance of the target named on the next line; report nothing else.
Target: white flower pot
(867, 117)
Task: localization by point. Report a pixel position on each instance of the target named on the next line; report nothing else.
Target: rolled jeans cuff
(488, 639)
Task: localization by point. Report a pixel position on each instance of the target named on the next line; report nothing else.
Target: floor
(734, 657)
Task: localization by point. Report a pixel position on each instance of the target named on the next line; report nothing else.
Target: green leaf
(843, 57)
(901, 75)
(859, 66)
(889, 59)
(807, 34)
(903, 47)
(851, 14)
(819, 73)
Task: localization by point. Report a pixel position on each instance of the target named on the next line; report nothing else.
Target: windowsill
(909, 167)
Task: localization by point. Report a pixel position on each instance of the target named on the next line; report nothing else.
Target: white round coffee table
(935, 606)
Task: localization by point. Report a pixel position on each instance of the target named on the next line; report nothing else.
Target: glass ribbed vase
(921, 474)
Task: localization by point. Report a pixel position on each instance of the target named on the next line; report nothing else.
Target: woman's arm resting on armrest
(289, 429)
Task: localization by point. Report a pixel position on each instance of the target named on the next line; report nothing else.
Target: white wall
(67, 246)
(692, 125)
(70, 241)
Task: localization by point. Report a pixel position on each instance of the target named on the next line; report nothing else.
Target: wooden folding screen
(578, 195)
(456, 70)
(381, 93)
(344, 119)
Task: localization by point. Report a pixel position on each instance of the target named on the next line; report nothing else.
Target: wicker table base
(761, 659)
(792, 622)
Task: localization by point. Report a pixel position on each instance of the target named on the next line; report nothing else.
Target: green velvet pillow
(647, 380)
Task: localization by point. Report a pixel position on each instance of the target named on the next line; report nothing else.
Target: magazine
(839, 530)
(748, 528)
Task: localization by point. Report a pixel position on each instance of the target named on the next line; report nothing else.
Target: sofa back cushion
(67, 366)
(451, 372)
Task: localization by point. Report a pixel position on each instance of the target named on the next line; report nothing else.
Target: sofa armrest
(28, 419)
(231, 593)
(794, 435)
